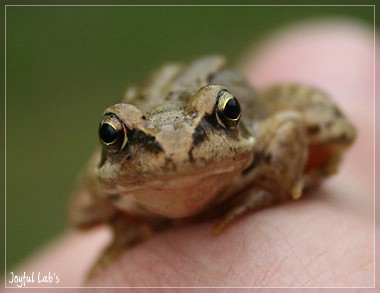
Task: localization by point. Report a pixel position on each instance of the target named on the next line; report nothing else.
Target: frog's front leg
(128, 231)
(329, 131)
(277, 170)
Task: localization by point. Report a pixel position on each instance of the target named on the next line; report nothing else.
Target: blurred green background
(65, 65)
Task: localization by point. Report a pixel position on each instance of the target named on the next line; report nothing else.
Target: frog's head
(174, 158)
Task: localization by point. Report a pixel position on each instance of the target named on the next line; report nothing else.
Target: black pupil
(107, 133)
(232, 109)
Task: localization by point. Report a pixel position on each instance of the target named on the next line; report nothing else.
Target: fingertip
(69, 257)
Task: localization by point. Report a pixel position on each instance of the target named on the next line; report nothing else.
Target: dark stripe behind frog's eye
(227, 110)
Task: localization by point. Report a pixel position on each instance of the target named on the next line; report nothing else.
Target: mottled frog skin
(196, 141)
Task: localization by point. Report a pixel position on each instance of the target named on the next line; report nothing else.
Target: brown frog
(196, 141)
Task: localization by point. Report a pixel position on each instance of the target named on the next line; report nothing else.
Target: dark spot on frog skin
(169, 164)
(114, 197)
(263, 178)
(313, 129)
(342, 139)
(191, 157)
(143, 140)
(268, 158)
(258, 158)
(199, 134)
(200, 131)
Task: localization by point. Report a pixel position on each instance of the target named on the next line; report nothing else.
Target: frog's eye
(227, 110)
(112, 133)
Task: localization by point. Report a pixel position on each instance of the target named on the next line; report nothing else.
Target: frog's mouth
(183, 194)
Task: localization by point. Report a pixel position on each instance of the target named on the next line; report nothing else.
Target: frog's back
(172, 82)
(178, 83)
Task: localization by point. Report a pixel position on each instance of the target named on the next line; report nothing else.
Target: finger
(68, 256)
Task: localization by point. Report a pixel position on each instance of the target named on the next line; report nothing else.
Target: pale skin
(324, 239)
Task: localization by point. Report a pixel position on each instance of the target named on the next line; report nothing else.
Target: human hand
(324, 239)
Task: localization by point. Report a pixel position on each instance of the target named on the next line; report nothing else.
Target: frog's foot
(128, 239)
(127, 234)
(256, 199)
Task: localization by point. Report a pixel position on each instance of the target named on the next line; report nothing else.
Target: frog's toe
(255, 199)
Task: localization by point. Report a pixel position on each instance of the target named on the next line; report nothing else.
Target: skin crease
(325, 239)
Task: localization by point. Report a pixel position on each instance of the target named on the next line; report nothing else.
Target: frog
(196, 141)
